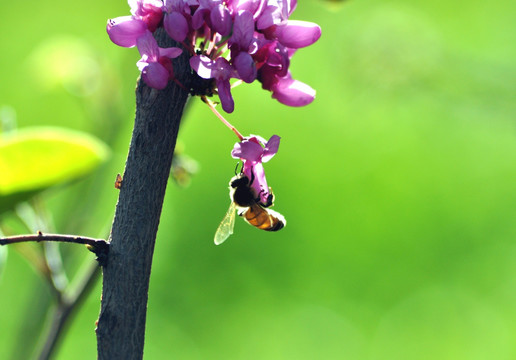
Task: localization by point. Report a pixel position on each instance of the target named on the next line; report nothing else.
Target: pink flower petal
(124, 30)
(148, 47)
(176, 26)
(203, 65)
(293, 92)
(245, 67)
(247, 150)
(259, 183)
(271, 148)
(243, 30)
(155, 75)
(199, 16)
(297, 34)
(270, 16)
(226, 100)
(171, 52)
(257, 139)
(221, 20)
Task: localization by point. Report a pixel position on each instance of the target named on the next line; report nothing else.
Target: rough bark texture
(121, 324)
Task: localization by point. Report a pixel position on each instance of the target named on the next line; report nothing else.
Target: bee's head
(239, 181)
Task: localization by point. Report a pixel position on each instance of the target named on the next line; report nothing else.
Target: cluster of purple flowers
(241, 39)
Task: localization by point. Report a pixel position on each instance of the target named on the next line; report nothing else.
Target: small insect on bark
(118, 182)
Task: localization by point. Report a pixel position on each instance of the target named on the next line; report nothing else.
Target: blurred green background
(398, 184)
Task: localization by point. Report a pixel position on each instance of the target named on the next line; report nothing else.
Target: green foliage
(34, 159)
(397, 184)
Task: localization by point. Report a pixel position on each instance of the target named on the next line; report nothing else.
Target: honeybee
(250, 208)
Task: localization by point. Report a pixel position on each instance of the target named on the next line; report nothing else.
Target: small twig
(52, 237)
(58, 277)
(68, 303)
(34, 217)
(98, 246)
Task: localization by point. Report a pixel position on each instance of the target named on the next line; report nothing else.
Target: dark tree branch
(121, 324)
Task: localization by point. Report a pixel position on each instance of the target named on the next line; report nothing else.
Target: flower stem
(210, 105)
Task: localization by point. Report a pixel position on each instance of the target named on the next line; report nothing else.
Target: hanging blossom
(254, 151)
(246, 40)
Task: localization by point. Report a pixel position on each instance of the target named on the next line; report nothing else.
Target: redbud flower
(254, 151)
(149, 11)
(292, 92)
(175, 21)
(235, 39)
(296, 34)
(220, 70)
(155, 64)
(125, 30)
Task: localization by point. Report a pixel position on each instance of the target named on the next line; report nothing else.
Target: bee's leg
(236, 167)
(270, 198)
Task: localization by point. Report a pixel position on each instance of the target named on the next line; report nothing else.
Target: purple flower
(274, 12)
(149, 11)
(241, 39)
(275, 76)
(254, 151)
(245, 67)
(220, 70)
(292, 92)
(295, 34)
(203, 14)
(176, 5)
(176, 25)
(125, 30)
(155, 64)
(243, 31)
(220, 18)
(176, 20)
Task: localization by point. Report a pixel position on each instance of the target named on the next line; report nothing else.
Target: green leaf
(34, 159)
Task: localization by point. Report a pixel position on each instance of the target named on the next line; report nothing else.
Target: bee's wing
(226, 225)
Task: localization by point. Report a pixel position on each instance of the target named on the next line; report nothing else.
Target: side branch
(99, 247)
(53, 237)
(67, 305)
